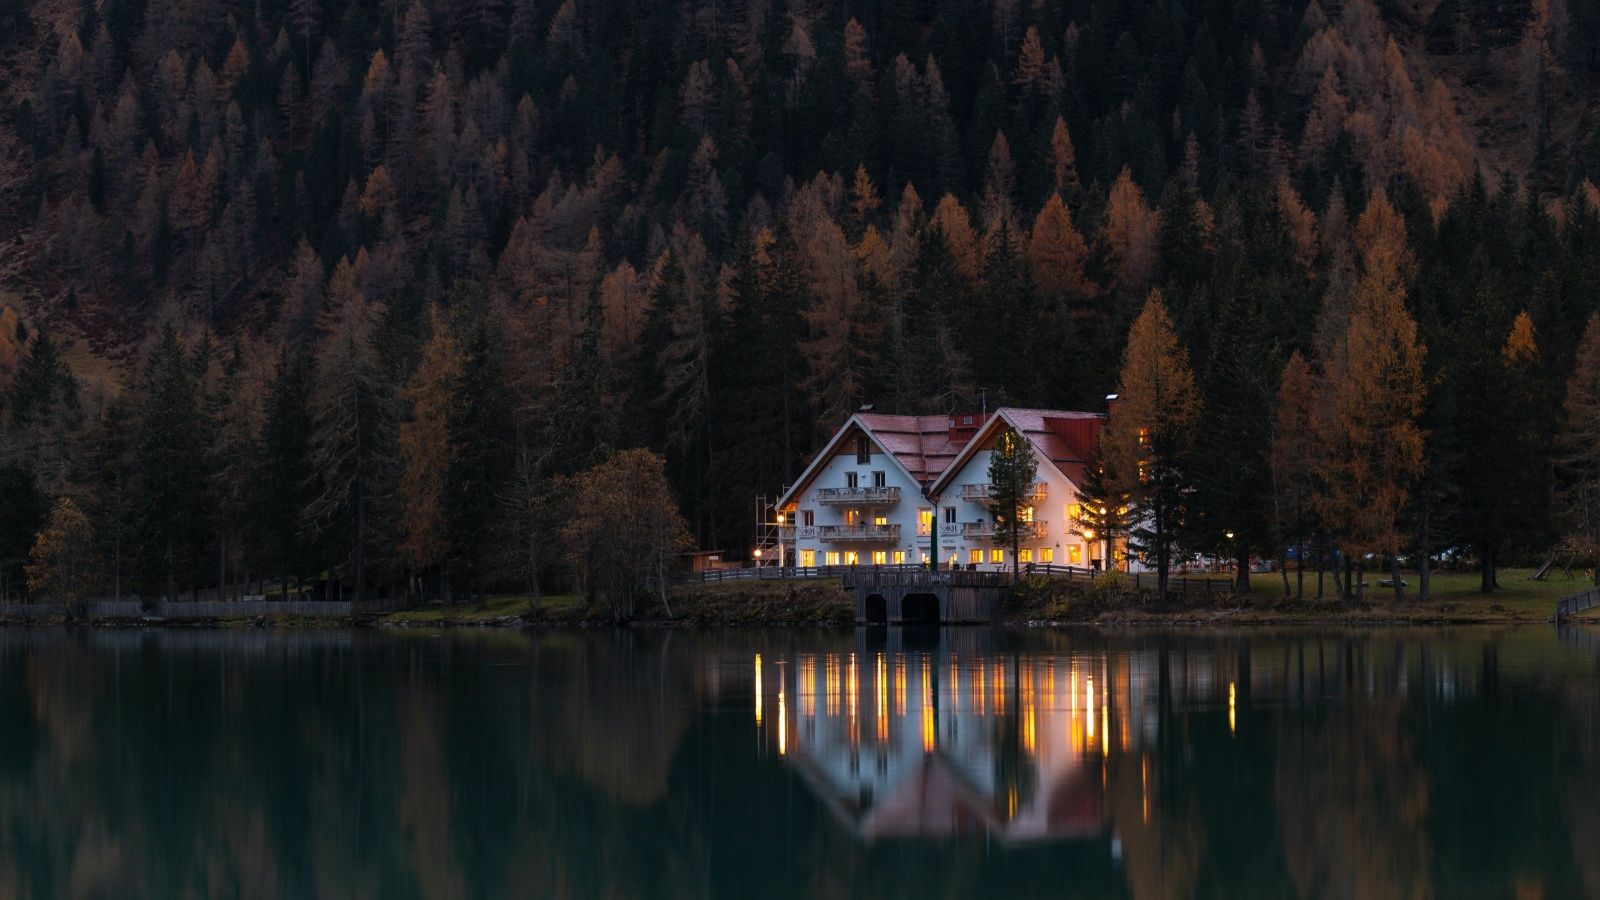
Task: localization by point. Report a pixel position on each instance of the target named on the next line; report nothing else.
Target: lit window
(925, 516)
(924, 555)
(852, 557)
(852, 517)
(997, 556)
(831, 557)
(1047, 554)
(880, 520)
(1027, 514)
(976, 556)
(952, 560)
(1075, 554)
(899, 557)
(1025, 556)
(880, 557)
(1074, 511)
(808, 558)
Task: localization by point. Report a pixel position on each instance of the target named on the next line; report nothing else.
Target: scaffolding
(770, 549)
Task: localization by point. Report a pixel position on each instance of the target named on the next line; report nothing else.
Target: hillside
(714, 228)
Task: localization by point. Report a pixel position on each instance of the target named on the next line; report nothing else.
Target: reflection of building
(942, 743)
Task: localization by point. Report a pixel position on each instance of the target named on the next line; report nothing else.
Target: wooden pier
(915, 596)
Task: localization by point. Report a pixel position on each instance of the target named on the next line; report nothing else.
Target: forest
(366, 292)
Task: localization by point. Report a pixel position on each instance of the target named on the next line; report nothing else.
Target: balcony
(984, 531)
(984, 493)
(858, 532)
(859, 496)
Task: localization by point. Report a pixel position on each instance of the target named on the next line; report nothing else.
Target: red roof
(925, 446)
(922, 444)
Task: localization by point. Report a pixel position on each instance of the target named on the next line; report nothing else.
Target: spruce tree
(1012, 469)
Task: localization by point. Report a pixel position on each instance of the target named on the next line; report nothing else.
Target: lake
(751, 763)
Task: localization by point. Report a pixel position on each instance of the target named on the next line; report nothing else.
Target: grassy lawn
(558, 606)
(1455, 593)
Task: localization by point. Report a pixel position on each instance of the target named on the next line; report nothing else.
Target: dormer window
(863, 451)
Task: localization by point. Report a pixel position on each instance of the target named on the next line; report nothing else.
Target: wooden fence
(1567, 607)
(202, 610)
(1181, 586)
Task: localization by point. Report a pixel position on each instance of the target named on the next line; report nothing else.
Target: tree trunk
(1241, 577)
(1300, 570)
(1486, 583)
(1394, 573)
(1425, 559)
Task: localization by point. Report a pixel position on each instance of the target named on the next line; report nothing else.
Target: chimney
(963, 427)
(1111, 405)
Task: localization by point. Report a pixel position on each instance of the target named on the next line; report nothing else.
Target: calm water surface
(749, 764)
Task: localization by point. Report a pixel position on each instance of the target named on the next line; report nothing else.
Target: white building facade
(875, 492)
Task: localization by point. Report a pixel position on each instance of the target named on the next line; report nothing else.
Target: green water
(972, 763)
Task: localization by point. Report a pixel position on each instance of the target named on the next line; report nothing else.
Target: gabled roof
(924, 449)
(902, 437)
(1064, 438)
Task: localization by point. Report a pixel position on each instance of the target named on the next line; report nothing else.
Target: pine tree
(1012, 469)
(477, 426)
(1103, 507)
(62, 565)
(169, 470)
(1579, 456)
(1057, 253)
(1374, 446)
(1151, 432)
(1294, 463)
(283, 473)
(427, 449)
(351, 412)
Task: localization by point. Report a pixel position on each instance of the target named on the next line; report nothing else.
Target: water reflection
(840, 764)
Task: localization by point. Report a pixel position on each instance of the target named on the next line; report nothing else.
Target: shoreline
(825, 603)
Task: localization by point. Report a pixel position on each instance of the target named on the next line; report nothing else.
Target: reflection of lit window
(997, 556)
(1047, 554)
(1025, 555)
(832, 557)
(880, 557)
(808, 558)
(975, 556)
(852, 557)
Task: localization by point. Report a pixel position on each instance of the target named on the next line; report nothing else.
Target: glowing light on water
(1232, 714)
(758, 689)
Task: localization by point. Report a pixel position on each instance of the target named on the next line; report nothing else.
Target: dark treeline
(308, 288)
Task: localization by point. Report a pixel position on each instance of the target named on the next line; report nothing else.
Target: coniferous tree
(1579, 458)
(351, 410)
(169, 470)
(1151, 434)
(1012, 469)
(282, 487)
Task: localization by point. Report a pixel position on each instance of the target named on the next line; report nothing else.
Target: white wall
(1059, 492)
(832, 475)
